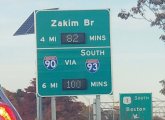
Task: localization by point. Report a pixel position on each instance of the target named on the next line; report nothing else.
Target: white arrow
(135, 116)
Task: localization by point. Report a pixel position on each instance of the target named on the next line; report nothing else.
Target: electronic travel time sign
(73, 52)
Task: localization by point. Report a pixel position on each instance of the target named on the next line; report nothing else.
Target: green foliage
(152, 11)
(162, 91)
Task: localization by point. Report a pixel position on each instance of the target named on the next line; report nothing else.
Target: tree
(162, 91)
(152, 11)
(68, 108)
(26, 100)
(157, 118)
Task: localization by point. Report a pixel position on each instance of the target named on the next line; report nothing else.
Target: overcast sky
(137, 53)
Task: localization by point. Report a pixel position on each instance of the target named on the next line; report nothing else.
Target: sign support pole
(94, 109)
(53, 108)
(40, 104)
(98, 108)
(39, 108)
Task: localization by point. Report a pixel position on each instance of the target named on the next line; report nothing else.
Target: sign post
(73, 52)
(136, 106)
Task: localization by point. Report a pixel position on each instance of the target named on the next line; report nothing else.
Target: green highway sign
(136, 106)
(73, 52)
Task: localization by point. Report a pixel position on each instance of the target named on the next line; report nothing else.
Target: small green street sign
(73, 52)
(136, 106)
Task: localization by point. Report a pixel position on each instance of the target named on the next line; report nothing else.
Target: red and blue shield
(92, 65)
(50, 62)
